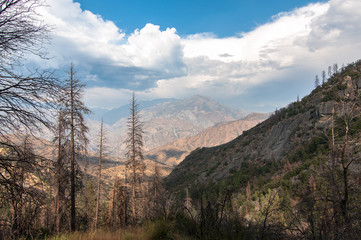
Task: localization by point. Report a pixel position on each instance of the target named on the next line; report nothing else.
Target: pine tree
(74, 110)
(135, 163)
(317, 81)
(335, 68)
(323, 78)
(60, 180)
(329, 71)
(101, 142)
(156, 197)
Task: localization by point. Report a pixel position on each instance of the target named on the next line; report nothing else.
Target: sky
(254, 55)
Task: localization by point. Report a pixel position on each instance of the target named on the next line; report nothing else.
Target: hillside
(295, 175)
(172, 154)
(286, 141)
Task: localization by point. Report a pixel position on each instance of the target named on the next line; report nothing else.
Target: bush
(158, 230)
(185, 225)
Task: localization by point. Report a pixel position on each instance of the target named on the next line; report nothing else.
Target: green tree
(269, 213)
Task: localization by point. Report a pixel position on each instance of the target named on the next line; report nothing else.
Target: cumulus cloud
(154, 49)
(305, 40)
(99, 47)
(158, 63)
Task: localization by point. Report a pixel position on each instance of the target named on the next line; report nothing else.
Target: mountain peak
(201, 97)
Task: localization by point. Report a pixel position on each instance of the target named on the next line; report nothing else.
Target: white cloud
(152, 48)
(94, 43)
(249, 46)
(108, 98)
(159, 63)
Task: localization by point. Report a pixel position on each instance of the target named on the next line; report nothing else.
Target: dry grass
(148, 231)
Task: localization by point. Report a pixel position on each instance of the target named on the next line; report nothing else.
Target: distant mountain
(112, 116)
(198, 109)
(173, 153)
(165, 121)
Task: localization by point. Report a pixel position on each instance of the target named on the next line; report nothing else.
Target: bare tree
(134, 143)
(21, 29)
(26, 100)
(74, 110)
(119, 204)
(60, 178)
(101, 142)
(345, 158)
(23, 97)
(19, 186)
(156, 197)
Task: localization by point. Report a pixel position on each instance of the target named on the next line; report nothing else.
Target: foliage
(330, 95)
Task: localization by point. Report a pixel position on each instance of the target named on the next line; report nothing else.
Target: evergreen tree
(323, 78)
(317, 81)
(329, 71)
(335, 68)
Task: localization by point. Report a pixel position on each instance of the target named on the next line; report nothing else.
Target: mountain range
(164, 121)
(173, 153)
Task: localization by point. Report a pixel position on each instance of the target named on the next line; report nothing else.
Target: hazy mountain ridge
(166, 122)
(172, 154)
(112, 116)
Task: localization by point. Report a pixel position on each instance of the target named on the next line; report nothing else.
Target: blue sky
(252, 55)
(222, 17)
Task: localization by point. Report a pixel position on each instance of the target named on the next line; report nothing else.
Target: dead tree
(19, 187)
(61, 168)
(74, 110)
(101, 142)
(156, 201)
(119, 204)
(25, 97)
(135, 163)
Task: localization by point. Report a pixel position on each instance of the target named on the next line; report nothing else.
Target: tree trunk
(72, 150)
(344, 202)
(58, 178)
(99, 174)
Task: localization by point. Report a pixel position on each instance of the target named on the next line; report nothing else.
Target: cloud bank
(286, 52)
